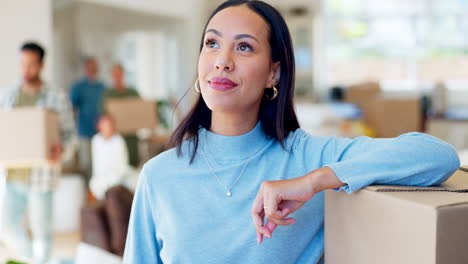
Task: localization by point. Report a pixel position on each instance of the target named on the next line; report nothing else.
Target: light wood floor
(65, 245)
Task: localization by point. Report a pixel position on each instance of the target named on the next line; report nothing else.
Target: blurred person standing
(86, 97)
(121, 90)
(29, 187)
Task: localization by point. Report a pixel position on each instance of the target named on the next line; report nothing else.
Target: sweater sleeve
(141, 245)
(415, 159)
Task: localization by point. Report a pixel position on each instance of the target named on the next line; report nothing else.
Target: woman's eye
(210, 43)
(244, 47)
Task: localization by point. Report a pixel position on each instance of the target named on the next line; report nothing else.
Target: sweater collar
(232, 148)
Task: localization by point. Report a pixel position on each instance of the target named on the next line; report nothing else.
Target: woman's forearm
(323, 179)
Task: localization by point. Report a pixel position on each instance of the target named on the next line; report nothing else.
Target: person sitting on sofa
(110, 161)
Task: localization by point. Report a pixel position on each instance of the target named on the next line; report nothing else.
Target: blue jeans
(17, 197)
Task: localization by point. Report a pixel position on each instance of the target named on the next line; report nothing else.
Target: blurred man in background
(20, 190)
(86, 97)
(121, 90)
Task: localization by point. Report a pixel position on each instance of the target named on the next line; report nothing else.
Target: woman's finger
(283, 212)
(270, 226)
(282, 222)
(292, 206)
(258, 213)
(259, 238)
(262, 229)
(271, 201)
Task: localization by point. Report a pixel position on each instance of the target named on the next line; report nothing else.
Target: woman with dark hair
(241, 165)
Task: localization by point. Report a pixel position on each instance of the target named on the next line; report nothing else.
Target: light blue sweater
(181, 214)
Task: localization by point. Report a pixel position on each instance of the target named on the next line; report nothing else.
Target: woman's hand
(278, 199)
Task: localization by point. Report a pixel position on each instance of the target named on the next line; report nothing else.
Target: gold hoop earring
(197, 86)
(275, 94)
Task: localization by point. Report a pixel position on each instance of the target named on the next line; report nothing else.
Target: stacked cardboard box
(399, 224)
(387, 116)
(392, 116)
(132, 114)
(363, 93)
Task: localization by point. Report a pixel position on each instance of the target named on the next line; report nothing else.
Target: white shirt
(110, 163)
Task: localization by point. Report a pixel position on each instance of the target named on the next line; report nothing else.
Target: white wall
(66, 59)
(22, 20)
(173, 8)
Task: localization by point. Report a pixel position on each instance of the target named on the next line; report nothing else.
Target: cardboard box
(361, 94)
(399, 224)
(132, 114)
(391, 117)
(27, 136)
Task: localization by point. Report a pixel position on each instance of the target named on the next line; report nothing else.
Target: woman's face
(235, 64)
(106, 127)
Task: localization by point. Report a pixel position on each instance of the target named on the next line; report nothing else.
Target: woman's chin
(223, 107)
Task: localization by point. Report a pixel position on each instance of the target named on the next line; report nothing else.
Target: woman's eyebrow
(237, 37)
(216, 32)
(241, 36)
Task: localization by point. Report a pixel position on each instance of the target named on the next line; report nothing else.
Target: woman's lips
(222, 84)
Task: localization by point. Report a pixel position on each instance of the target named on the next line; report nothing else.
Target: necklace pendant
(229, 194)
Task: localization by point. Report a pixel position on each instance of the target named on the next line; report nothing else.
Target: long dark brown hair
(277, 117)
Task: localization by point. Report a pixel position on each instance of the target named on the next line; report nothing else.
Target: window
(150, 62)
(413, 41)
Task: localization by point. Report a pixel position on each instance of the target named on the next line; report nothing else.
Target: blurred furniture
(89, 254)
(118, 205)
(336, 119)
(104, 223)
(68, 198)
(150, 144)
(451, 126)
(337, 94)
(454, 132)
(439, 95)
(94, 227)
(463, 154)
(318, 119)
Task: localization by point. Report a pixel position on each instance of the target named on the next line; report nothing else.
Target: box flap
(452, 192)
(458, 182)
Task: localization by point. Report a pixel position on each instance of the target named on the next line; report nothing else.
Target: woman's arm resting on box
(351, 164)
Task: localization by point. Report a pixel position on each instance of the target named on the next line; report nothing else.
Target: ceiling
(178, 7)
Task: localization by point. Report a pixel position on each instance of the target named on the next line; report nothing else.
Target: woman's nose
(224, 62)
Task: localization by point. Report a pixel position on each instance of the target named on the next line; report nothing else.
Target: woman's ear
(275, 74)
